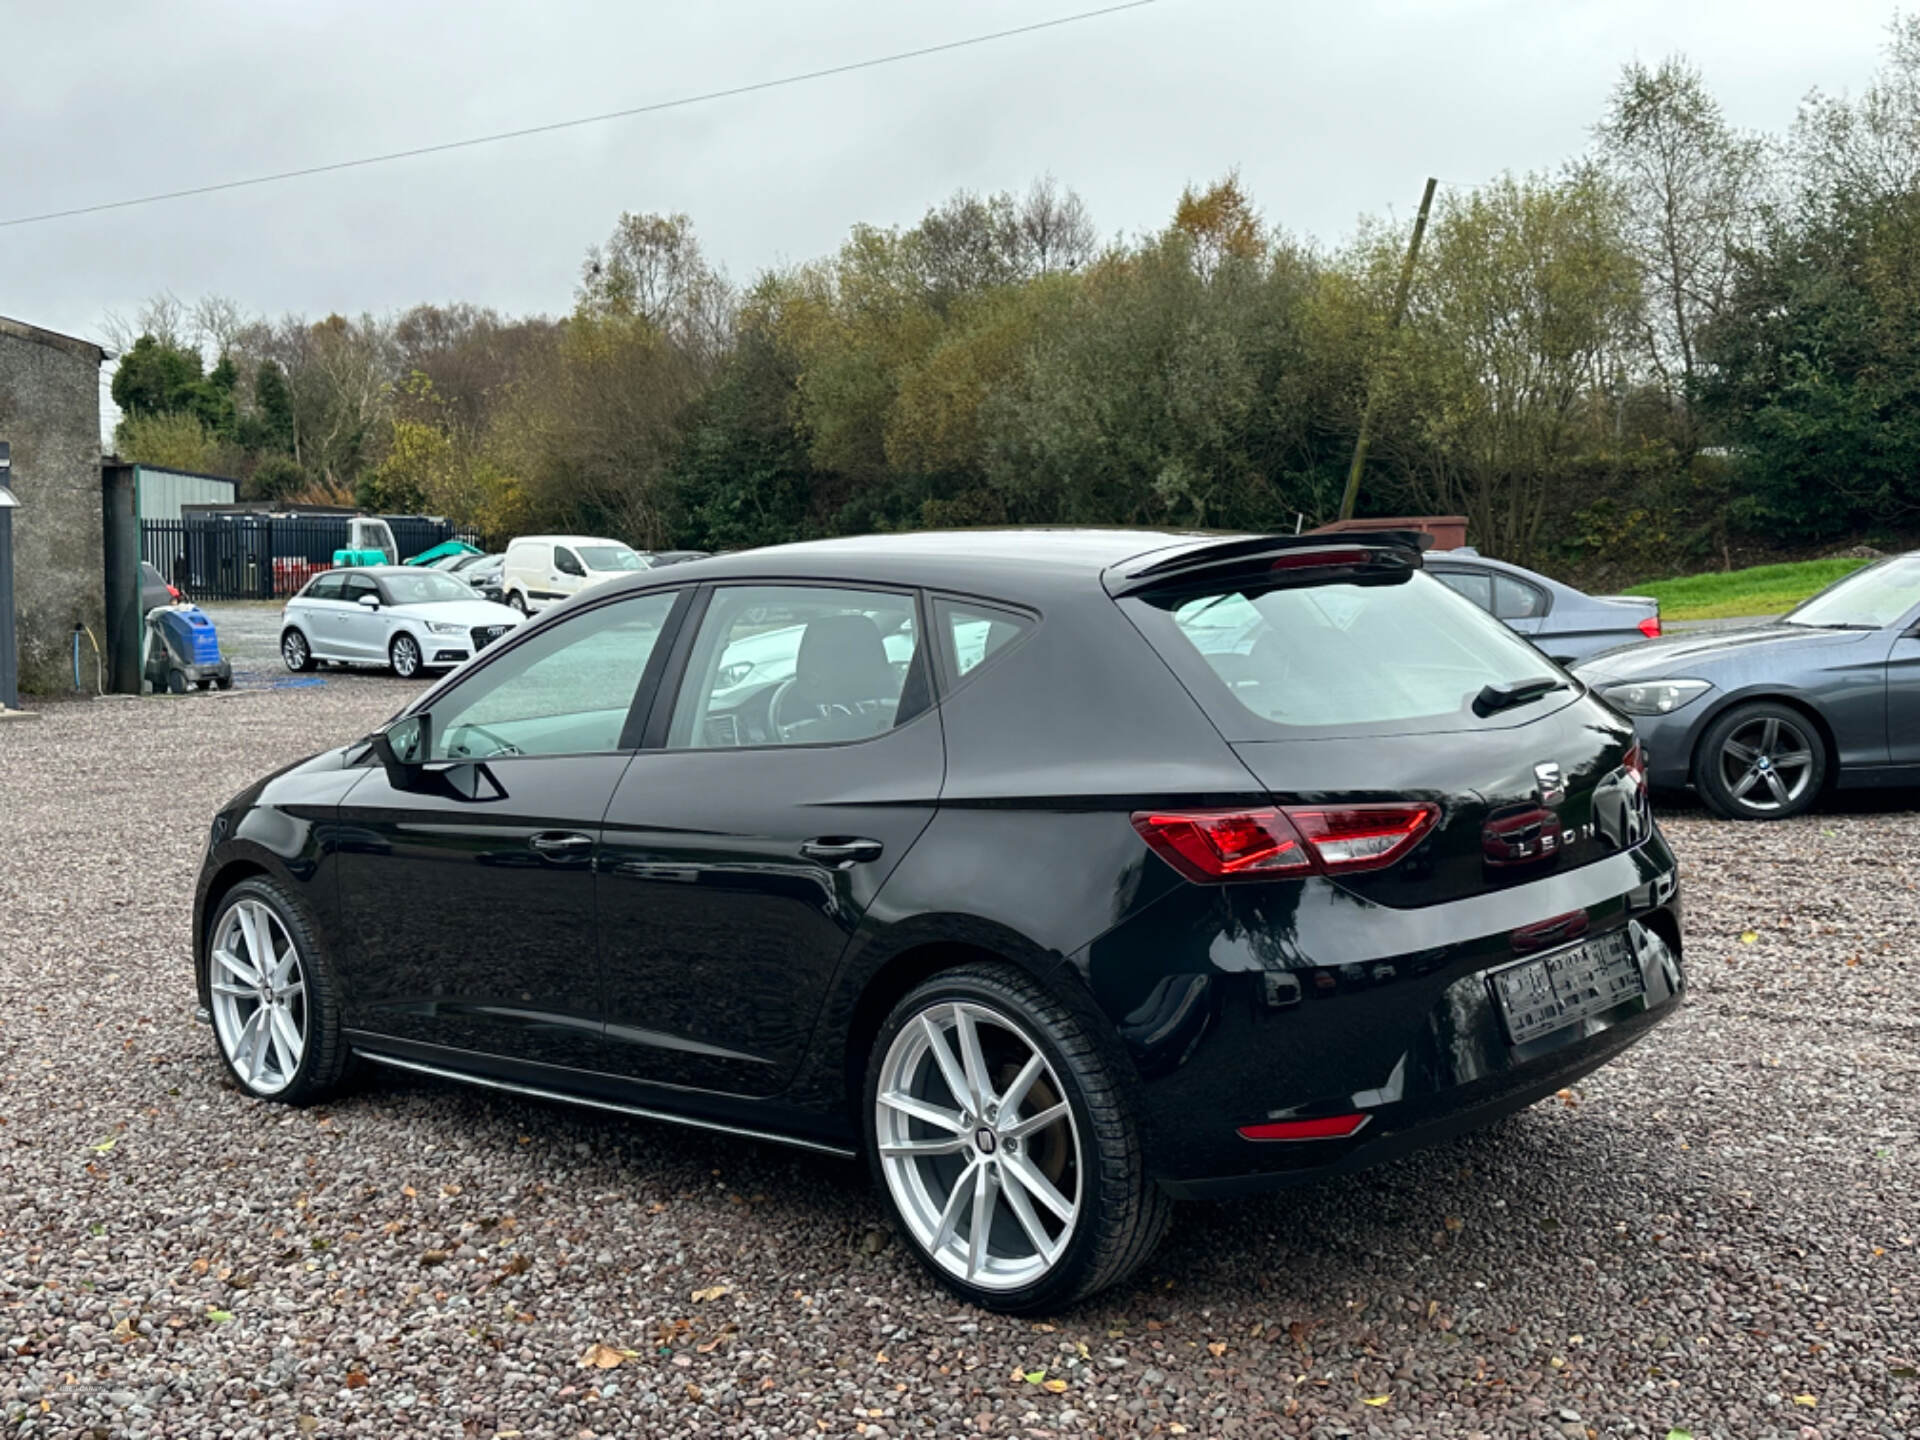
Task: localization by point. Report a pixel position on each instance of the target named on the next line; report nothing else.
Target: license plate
(1538, 997)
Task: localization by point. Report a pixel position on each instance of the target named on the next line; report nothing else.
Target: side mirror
(372, 602)
(402, 749)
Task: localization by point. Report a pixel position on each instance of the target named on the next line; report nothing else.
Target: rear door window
(1337, 659)
(1476, 585)
(798, 665)
(326, 587)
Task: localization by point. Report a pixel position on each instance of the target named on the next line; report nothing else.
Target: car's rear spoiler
(1282, 559)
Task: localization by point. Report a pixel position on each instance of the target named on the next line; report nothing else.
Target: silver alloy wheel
(406, 657)
(293, 650)
(1767, 764)
(979, 1145)
(259, 996)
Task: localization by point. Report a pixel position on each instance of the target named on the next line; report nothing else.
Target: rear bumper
(1470, 1107)
(1243, 1005)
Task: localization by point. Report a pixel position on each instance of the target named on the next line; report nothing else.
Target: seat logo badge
(1553, 785)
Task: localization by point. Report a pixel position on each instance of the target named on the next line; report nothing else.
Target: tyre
(274, 996)
(295, 651)
(518, 602)
(176, 682)
(203, 684)
(404, 654)
(1760, 761)
(225, 682)
(1005, 1148)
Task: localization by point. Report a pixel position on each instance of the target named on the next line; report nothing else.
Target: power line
(552, 126)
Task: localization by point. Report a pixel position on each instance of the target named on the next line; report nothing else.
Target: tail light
(1210, 845)
(1635, 764)
(175, 593)
(1650, 627)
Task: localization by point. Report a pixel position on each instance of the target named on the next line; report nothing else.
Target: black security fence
(265, 557)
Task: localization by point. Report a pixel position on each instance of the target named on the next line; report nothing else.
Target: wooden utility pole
(1352, 496)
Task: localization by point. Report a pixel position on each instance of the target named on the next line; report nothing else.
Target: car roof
(562, 540)
(1506, 567)
(1010, 564)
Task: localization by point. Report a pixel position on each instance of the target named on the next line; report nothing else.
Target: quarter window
(796, 665)
(566, 691)
(1516, 600)
(357, 585)
(974, 633)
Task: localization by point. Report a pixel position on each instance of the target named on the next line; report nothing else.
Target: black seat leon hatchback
(1060, 874)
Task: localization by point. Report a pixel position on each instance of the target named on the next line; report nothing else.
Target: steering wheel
(503, 745)
(787, 729)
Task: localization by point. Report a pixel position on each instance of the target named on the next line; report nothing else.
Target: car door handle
(560, 842)
(838, 852)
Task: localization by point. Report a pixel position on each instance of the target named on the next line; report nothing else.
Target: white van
(541, 569)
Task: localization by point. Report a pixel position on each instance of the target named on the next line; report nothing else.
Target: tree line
(1683, 342)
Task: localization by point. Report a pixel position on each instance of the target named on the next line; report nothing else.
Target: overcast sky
(1329, 109)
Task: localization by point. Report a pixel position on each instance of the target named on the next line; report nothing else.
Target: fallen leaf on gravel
(518, 1265)
(357, 1380)
(100, 1147)
(1747, 937)
(1806, 1400)
(124, 1332)
(219, 1317)
(1034, 1377)
(693, 1392)
(1216, 1348)
(436, 1257)
(1174, 1427)
(1058, 1387)
(1376, 1400)
(307, 1424)
(1679, 1435)
(602, 1357)
(712, 1292)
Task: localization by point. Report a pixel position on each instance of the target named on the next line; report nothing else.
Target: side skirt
(590, 1102)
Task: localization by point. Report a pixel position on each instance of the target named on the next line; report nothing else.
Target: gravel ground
(1717, 1234)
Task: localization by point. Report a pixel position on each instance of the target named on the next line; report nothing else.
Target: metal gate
(265, 557)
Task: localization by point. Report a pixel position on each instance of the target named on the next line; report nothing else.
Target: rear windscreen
(1409, 654)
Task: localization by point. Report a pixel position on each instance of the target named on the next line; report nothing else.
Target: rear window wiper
(1518, 692)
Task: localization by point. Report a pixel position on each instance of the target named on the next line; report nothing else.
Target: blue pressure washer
(184, 648)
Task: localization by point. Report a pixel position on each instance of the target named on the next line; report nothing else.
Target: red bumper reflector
(1324, 1127)
(1650, 627)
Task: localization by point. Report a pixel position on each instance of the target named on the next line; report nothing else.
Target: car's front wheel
(1761, 761)
(1004, 1145)
(295, 651)
(274, 997)
(518, 602)
(404, 655)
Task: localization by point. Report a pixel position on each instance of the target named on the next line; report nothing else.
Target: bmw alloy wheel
(260, 1009)
(1767, 764)
(978, 1145)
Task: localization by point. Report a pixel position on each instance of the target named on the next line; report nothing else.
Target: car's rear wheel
(274, 997)
(404, 654)
(295, 651)
(1761, 761)
(1004, 1145)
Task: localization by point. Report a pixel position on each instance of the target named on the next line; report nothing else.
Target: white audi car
(412, 620)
